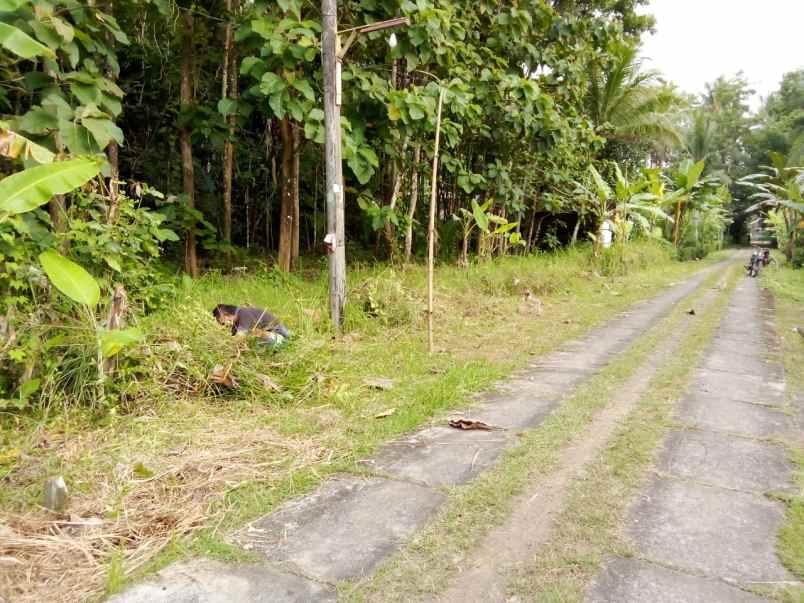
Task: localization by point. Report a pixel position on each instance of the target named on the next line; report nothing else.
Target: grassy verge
(426, 565)
(787, 286)
(587, 530)
(178, 460)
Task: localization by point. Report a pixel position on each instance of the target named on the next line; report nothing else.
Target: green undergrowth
(787, 286)
(425, 566)
(320, 417)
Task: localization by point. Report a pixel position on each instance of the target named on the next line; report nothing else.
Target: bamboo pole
(431, 228)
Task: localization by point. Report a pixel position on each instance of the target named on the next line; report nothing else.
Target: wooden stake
(431, 228)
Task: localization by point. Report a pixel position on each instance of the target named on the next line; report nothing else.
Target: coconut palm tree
(699, 138)
(629, 105)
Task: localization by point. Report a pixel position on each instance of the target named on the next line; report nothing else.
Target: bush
(385, 299)
(797, 260)
(50, 343)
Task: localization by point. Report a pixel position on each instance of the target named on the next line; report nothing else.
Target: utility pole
(332, 55)
(334, 240)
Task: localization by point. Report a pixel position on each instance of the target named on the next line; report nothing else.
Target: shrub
(385, 299)
(50, 342)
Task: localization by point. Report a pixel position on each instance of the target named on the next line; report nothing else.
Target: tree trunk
(296, 213)
(57, 206)
(575, 230)
(414, 198)
(529, 242)
(112, 153)
(188, 176)
(229, 72)
(287, 201)
(464, 263)
(112, 150)
(390, 234)
(677, 224)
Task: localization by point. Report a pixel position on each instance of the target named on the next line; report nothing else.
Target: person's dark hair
(224, 310)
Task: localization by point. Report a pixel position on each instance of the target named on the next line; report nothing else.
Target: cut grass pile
(181, 460)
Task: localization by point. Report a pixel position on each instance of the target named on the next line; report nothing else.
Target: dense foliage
(551, 129)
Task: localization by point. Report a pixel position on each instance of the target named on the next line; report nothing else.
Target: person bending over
(246, 319)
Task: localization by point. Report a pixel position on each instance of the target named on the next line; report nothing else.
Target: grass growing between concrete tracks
(587, 530)
(787, 286)
(426, 565)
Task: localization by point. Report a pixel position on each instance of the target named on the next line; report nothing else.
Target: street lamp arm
(378, 25)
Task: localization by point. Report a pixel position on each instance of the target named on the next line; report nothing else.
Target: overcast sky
(698, 40)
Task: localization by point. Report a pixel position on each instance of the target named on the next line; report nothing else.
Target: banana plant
(481, 218)
(29, 189)
(629, 203)
(779, 187)
(690, 192)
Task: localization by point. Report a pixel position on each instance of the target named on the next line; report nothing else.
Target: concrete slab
(207, 581)
(442, 456)
(514, 414)
(711, 411)
(345, 528)
(634, 581)
(709, 530)
(743, 387)
(568, 361)
(743, 338)
(725, 461)
(733, 359)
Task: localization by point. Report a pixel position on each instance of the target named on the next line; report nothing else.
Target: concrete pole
(335, 239)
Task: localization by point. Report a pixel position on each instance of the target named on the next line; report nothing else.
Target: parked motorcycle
(754, 264)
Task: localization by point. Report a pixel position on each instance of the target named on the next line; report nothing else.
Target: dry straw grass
(53, 557)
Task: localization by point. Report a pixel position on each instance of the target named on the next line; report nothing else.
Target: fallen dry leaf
(314, 314)
(467, 424)
(268, 383)
(380, 383)
(220, 374)
(385, 413)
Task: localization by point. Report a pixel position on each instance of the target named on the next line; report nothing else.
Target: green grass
(322, 420)
(787, 286)
(426, 565)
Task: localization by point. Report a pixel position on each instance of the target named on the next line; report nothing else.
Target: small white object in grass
(55, 496)
(392, 40)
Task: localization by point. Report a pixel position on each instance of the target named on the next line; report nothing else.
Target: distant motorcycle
(754, 264)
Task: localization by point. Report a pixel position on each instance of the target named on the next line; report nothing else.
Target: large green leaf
(31, 188)
(13, 145)
(602, 188)
(113, 342)
(303, 86)
(271, 83)
(694, 172)
(21, 44)
(103, 131)
(69, 278)
(481, 218)
(9, 6)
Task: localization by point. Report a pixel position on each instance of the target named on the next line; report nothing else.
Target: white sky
(698, 40)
